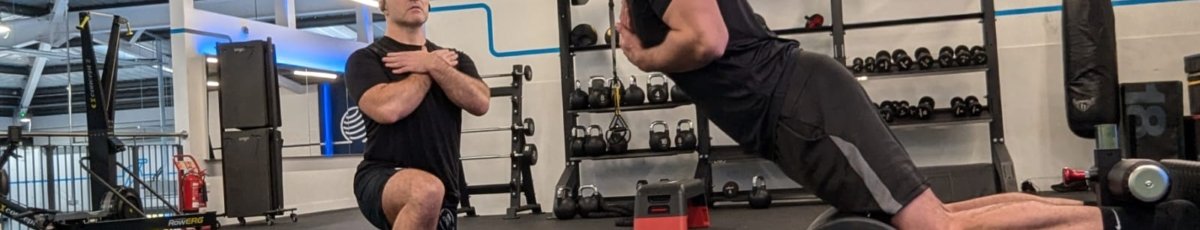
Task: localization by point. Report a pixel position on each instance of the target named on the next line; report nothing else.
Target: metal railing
(49, 177)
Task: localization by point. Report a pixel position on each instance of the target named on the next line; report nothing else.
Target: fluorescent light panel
(4, 29)
(371, 3)
(213, 84)
(211, 60)
(315, 74)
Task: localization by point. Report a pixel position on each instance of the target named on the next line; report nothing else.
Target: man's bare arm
(389, 102)
(697, 37)
(469, 93)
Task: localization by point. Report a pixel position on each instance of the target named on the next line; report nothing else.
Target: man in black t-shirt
(414, 93)
(807, 113)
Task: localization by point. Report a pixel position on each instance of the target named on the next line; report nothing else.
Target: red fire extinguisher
(193, 193)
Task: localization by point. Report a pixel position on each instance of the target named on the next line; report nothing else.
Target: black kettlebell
(660, 140)
(887, 111)
(979, 55)
(595, 145)
(960, 108)
(730, 190)
(857, 65)
(633, 95)
(869, 65)
(657, 93)
(685, 139)
(618, 140)
(760, 198)
(578, 140)
(677, 95)
(973, 106)
(583, 35)
(565, 206)
(963, 55)
(946, 57)
(590, 200)
(600, 93)
(883, 61)
(901, 109)
(902, 60)
(579, 98)
(924, 58)
(925, 108)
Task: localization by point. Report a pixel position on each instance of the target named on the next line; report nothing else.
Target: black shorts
(830, 138)
(369, 181)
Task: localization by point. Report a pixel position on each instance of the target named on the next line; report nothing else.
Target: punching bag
(1090, 65)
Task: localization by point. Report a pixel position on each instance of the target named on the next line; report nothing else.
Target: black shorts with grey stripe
(829, 138)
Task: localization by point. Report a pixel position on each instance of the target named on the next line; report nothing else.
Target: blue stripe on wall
(491, 38)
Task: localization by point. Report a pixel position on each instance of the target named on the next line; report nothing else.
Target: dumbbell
(960, 109)
(730, 190)
(883, 62)
(528, 155)
(869, 65)
(526, 128)
(973, 106)
(925, 108)
(963, 55)
(901, 108)
(902, 60)
(946, 57)
(856, 65)
(887, 111)
(979, 55)
(924, 59)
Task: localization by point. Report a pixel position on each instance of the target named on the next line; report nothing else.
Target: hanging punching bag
(1090, 65)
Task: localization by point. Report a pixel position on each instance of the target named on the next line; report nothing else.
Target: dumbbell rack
(570, 177)
(1001, 161)
(520, 158)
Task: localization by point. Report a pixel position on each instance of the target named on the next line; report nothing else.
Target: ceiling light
(4, 29)
(26, 120)
(371, 3)
(165, 69)
(211, 60)
(213, 84)
(863, 78)
(315, 74)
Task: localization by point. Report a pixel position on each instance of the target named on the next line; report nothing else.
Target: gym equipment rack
(521, 157)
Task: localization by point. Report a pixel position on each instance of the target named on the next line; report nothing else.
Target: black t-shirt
(428, 138)
(737, 90)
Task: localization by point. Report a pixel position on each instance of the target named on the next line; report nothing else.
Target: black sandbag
(1090, 65)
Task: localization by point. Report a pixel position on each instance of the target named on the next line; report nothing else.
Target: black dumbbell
(925, 108)
(856, 66)
(924, 59)
(887, 111)
(946, 57)
(963, 55)
(901, 109)
(973, 106)
(960, 108)
(883, 62)
(869, 65)
(730, 190)
(902, 60)
(979, 55)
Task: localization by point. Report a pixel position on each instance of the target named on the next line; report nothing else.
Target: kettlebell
(883, 61)
(973, 106)
(583, 35)
(963, 55)
(730, 190)
(595, 145)
(678, 96)
(590, 201)
(814, 21)
(979, 55)
(685, 139)
(618, 140)
(633, 95)
(657, 93)
(960, 108)
(660, 140)
(565, 206)
(760, 198)
(579, 98)
(578, 138)
(600, 93)
(925, 108)
(924, 58)
(946, 57)
(903, 61)
(857, 65)
(869, 65)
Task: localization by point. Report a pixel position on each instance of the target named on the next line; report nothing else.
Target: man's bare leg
(1005, 198)
(412, 199)
(928, 212)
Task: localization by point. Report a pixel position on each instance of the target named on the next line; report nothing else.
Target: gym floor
(723, 218)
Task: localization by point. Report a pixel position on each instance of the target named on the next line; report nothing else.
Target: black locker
(249, 85)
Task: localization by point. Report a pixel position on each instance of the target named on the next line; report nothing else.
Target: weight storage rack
(521, 156)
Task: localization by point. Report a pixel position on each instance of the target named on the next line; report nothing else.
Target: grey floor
(777, 217)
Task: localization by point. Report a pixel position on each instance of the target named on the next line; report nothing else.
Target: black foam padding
(1193, 91)
(252, 172)
(1191, 64)
(1185, 179)
(855, 223)
(1177, 215)
(1090, 65)
(249, 86)
(1153, 119)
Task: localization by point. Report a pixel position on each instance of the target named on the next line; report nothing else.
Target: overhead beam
(118, 5)
(285, 13)
(31, 83)
(60, 69)
(25, 10)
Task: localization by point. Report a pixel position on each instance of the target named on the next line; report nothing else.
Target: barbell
(524, 71)
(528, 155)
(526, 128)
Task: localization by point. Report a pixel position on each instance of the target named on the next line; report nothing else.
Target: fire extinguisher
(193, 191)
